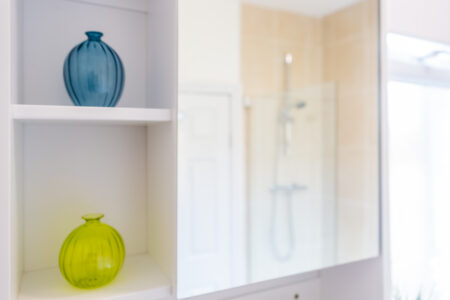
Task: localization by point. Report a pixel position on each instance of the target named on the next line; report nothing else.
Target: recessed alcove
(70, 160)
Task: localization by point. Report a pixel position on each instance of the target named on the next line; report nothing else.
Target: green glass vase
(92, 255)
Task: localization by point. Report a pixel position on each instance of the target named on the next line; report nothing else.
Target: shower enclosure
(291, 175)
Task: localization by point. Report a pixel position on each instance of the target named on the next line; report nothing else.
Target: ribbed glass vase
(93, 73)
(92, 255)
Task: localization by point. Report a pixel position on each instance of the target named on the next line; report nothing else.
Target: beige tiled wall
(341, 48)
(267, 35)
(350, 59)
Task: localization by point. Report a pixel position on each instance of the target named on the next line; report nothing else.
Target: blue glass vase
(93, 73)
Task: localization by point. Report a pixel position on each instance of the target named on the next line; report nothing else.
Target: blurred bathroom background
(278, 119)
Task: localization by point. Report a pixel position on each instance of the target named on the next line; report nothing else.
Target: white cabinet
(308, 290)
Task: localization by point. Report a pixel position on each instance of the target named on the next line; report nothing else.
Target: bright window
(419, 143)
(419, 118)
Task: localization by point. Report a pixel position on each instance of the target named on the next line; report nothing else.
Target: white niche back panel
(51, 28)
(71, 170)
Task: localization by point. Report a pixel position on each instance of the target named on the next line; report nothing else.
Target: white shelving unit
(139, 277)
(63, 161)
(83, 114)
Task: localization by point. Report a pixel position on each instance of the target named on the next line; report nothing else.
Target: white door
(204, 193)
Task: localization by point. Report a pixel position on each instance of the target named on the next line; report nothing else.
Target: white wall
(357, 281)
(209, 45)
(428, 19)
(5, 149)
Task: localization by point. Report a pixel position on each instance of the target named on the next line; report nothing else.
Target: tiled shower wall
(340, 48)
(267, 35)
(350, 58)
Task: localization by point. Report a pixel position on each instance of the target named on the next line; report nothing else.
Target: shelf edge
(36, 113)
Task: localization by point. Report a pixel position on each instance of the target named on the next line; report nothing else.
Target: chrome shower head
(300, 104)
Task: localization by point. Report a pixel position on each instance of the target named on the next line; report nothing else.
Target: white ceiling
(317, 8)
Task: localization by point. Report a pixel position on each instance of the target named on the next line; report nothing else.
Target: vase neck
(93, 217)
(94, 35)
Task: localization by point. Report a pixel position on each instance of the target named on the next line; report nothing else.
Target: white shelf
(139, 279)
(86, 114)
